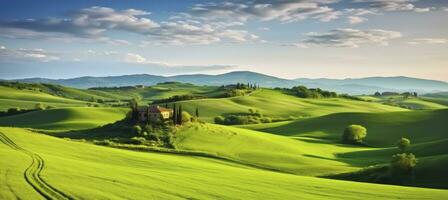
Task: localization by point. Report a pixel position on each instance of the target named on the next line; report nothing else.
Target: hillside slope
(11, 97)
(106, 173)
(71, 118)
(277, 104)
(384, 129)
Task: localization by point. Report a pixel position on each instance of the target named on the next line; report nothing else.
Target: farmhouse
(153, 113)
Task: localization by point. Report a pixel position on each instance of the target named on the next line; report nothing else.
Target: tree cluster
(405, 94)
(178, 98)
(243, 86)
(253, 117)
(304, 92)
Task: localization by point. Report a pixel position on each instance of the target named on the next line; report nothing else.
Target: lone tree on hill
(354, 134)
(197, 112)
(403, 144)
(402, 166)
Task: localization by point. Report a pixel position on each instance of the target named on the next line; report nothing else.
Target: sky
(284, 38)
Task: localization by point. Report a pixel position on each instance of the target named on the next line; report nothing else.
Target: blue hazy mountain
(351, 86)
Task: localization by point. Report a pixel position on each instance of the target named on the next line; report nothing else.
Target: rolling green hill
(162, 91)
(277, 104)
(415, 103)
(84, 171)
(71, 118)
(384, 129)
(11, 97)
(265, 150)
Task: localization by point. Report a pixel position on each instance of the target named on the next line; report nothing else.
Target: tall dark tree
(134, 109)
(174, 114)
(179, 115)
(197, 112)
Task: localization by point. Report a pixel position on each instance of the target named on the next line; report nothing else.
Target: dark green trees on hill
(354, 134)
(402, 168)
(304, 92)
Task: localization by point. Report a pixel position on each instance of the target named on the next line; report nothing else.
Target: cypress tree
(179, 115)
(174, 114)
(197, 112)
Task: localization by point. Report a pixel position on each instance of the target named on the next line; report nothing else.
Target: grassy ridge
(265, 150)
(383, 128)
(72, 118)
(92, 172)
(278, 104)
(415, 103)
(11, 97)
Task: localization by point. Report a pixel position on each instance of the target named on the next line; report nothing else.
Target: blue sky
(287, 38)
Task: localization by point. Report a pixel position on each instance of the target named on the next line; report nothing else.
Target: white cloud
(420, 10)
(138, 59)
(428, 41)
(39, 55)
(351, 38)
(394, 5)
(285, 11)
(2, 47)
(93, 23)
(389, 5)
(356, 19)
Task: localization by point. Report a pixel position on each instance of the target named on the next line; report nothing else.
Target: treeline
(314, 93)
(405, 94)
(18, 110)
(239, 89)
(253, 117)
(178, 98)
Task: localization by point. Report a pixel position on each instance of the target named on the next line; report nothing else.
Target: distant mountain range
(351, 86)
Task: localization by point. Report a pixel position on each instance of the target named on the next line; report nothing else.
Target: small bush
(219, 120)
(186, 117)
(402, 166)
(13, 110)
(39, 106)
(354, 134)
(137, 140)
(266, 120)
(403, 144)
(137, 129)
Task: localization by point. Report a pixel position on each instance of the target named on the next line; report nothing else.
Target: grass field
(10, 97)
(415, 103)
(71, 118)
(85, 171)
(280, 160)
(384, 129)
(276, 104)
(266, 150)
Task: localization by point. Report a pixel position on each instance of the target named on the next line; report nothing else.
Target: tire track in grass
(32, 173)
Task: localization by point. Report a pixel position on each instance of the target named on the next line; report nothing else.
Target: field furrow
(32, 173)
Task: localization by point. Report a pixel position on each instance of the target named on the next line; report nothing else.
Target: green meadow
(76, 151)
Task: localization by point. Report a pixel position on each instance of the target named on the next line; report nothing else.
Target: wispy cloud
(40, 55)
(394, 5)
(351, 38)
(267, 10)
(428, 41)
(356, 19)
(94, 22)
